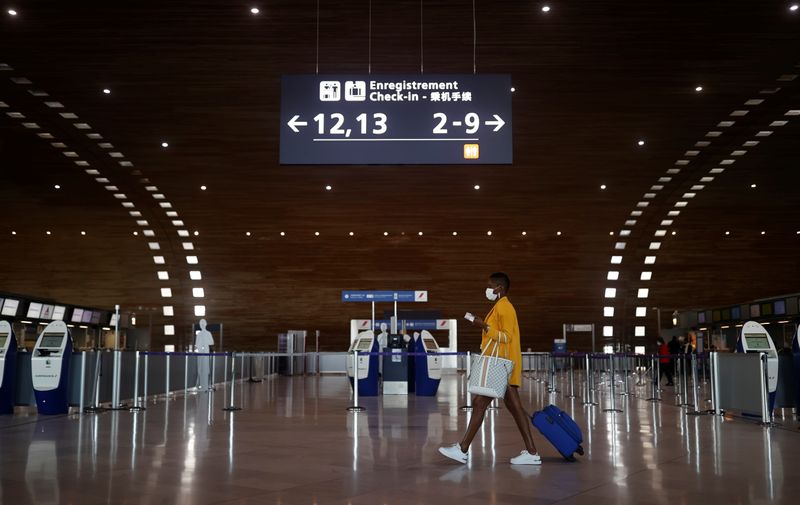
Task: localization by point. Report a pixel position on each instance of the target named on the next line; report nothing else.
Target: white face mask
(490, 294)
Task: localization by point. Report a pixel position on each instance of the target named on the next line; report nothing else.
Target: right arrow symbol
(498, 122)
(294, 123)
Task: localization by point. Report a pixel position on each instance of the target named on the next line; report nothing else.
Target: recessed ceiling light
(513, 89)
(165, 144)
(316, 234)
(698, 89)
(546, 8)
(14, 233)
(83, 233)
(203, 188)
(558, 233)
(136, 234)
(283, 234)
(351, 233)
(611, 233)
(196, 233)
(477, 187)
(57, 186)
(255, 10)
(794, 7)
(763, 232)
(456, 233)
(674, 232)
(106, 91)
(641, 142)
(48, 232)
(420, 234)
(727, 233)
(489, 233)
(328, 187)
(386, 234)
(247, 233)
(12, 12)
(602, 186)
(753, 185)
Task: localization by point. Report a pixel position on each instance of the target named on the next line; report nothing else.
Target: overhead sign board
(396, 119)
(385, 296)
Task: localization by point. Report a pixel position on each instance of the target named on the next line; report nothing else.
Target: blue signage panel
(396, 119)
(385, 296)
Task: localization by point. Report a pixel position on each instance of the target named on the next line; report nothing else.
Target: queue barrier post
(355, 407)
(137, 403)
(231, 407)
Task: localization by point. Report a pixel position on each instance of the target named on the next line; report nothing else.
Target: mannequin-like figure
(202, 343)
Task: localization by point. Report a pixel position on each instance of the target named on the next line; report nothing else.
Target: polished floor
(293, 442)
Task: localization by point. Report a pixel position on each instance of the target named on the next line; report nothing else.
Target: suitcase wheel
(571, 459)
(579, 450)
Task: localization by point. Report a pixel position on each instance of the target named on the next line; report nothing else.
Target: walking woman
(500, 326)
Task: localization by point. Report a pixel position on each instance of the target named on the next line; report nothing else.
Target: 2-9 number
(472, 121)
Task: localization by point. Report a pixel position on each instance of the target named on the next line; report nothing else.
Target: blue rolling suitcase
(560, 430)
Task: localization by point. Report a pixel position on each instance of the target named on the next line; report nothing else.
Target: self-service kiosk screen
(3, 338)
(47, 312)
(364, 344)
(430, 344)
(52, 340)
(757, 341)
(34, 309)
(10, 307)
(58, 312)
(77, 314)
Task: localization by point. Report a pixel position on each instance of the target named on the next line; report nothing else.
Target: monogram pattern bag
(489, 374)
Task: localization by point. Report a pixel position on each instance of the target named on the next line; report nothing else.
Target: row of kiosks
(50, 364)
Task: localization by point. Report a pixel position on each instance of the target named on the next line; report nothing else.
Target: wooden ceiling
(592, 78)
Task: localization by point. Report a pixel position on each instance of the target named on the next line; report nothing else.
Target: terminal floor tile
(294, 442)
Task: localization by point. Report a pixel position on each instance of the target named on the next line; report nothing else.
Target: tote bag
(489, 374)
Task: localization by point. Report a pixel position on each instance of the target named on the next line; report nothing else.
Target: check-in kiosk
(366, 367)
(395, 366)
(755, 338)
(8, 367)
(50, 368)
(428, 369)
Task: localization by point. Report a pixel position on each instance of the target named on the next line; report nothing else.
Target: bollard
(655, 391)
(589, 399)
(137, 404)
(355, 407)
(166, 385)
(571, 377)
(613, 389)
(146, 369)
(625, 390)
(231, 407)
(468, 406)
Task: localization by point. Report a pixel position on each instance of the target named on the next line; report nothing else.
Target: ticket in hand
(469, 317)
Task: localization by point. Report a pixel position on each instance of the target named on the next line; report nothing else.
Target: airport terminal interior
(292, 251)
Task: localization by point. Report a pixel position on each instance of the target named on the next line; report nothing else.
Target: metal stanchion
(766, 418)
(355, 407)
(82, 402)
(684, 382)
(656, 382)
(137, 404)
(146, 375)
(211, 385)
(253, 379)
(613, 389)
(185, 373)
(571, 377)
(468, 405)
(625, 390)
(166, 383)
(695, 385)
(589, 398)
(551, 382)
(95, 408)
(231, 407)
(715, 384)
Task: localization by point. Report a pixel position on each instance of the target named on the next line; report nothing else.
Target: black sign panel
(396, 119)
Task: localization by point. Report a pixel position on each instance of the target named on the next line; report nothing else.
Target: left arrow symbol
(294, 123)
(498, 123)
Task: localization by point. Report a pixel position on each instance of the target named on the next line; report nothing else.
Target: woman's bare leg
(514, 405)
(479, 406)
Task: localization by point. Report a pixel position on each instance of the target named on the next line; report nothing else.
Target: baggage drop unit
(8, 367)
(754, 338)
(50, 365)
(365, 367)
(427, 369)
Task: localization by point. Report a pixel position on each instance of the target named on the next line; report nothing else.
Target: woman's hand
(479, 323)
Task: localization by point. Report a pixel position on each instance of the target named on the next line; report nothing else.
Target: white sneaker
(526, 458)
(454, 452)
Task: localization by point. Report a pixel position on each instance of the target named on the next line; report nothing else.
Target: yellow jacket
(504, 329)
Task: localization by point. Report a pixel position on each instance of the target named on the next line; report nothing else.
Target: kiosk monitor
(10, 307)
(77, 314)
(430, 344)
(34, 310)
(757, 341)
(8, 368)
(51, 341)
(364, 345)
